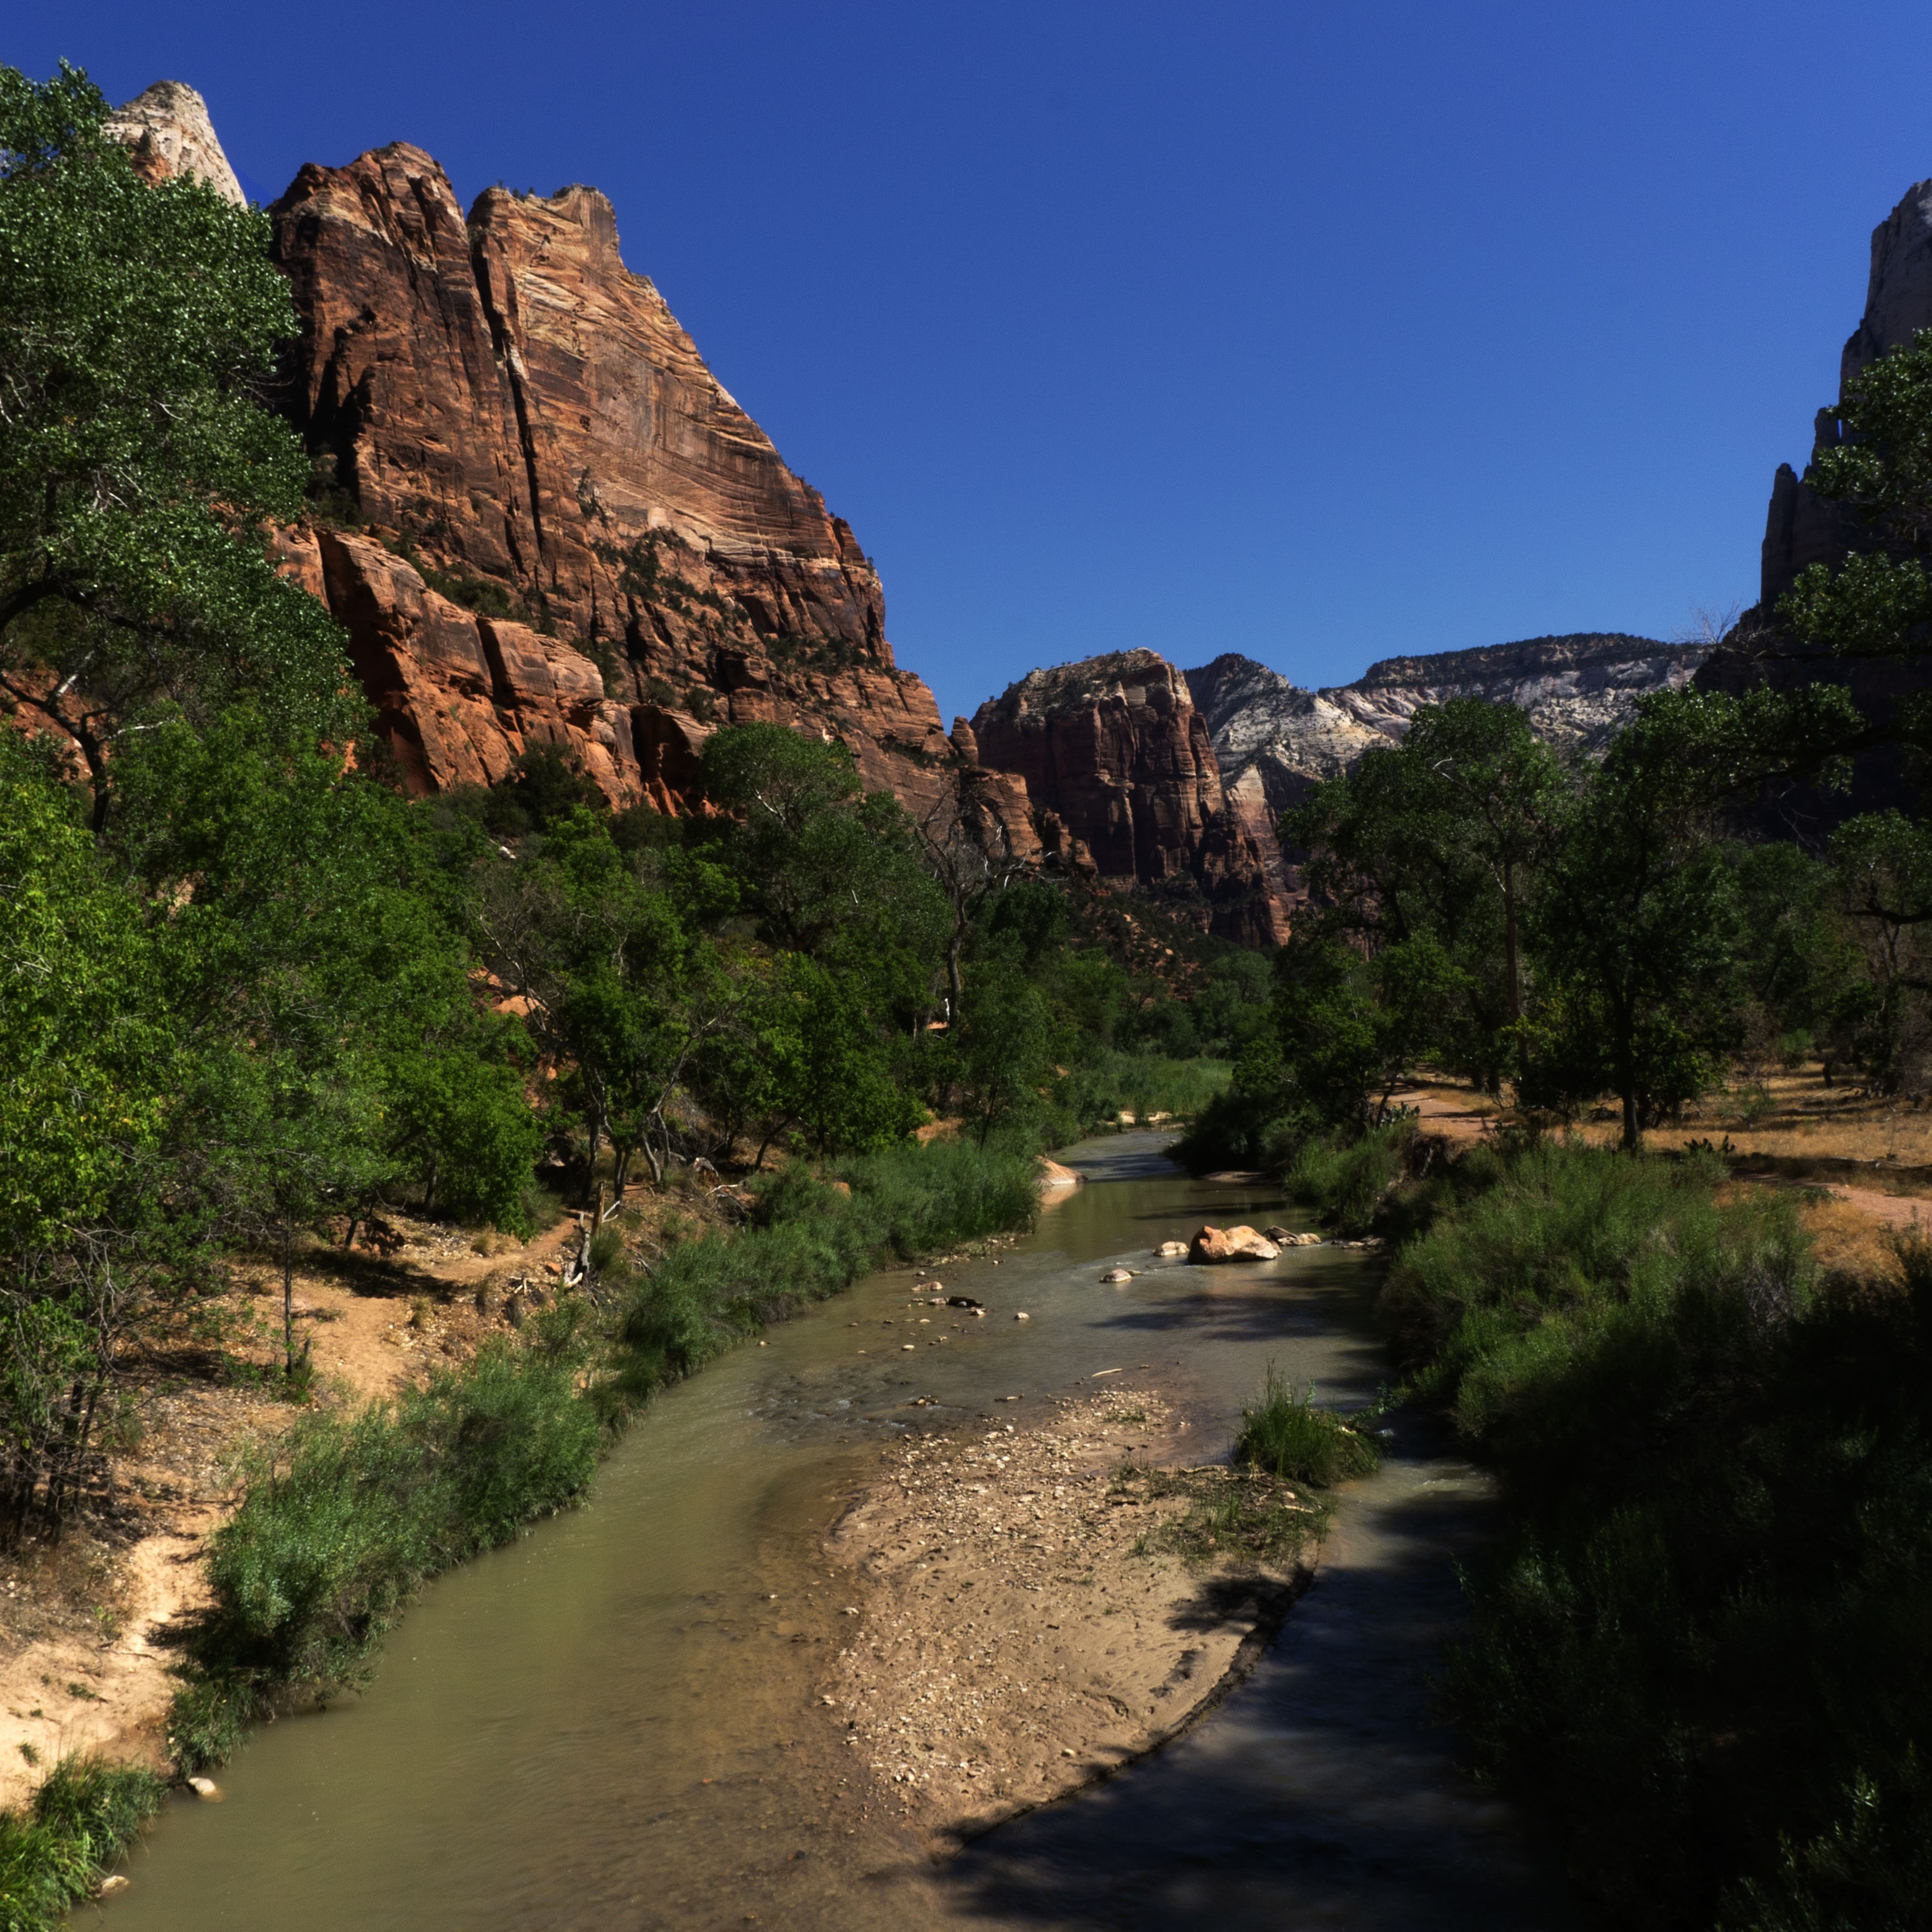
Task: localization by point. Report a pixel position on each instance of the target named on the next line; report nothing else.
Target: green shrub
(1287, 1436)
(83, 1817)
(1701, 1648)
(1346, 1176)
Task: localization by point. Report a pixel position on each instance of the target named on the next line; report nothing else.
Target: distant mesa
(1274, 740)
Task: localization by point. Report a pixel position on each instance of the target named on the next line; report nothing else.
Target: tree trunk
(954, 984)
(1633, 1141)
(1509, 945)
(288, 1304)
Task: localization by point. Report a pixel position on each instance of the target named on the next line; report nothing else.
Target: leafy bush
(1287, 1436)
(82, 1818)
(1702, 1648)
(1346, 1175)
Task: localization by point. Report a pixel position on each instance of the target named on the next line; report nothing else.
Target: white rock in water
(1118, 1275)
(204, 1787)
(1022, 1317)
(1172, 1250)
(118, 1882)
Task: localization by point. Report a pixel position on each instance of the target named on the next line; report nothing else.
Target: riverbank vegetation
(83, 1817)
(259, 998)
(1701, 1651)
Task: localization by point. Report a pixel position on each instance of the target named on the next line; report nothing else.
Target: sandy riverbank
(1021, 1629)
(85, 1624)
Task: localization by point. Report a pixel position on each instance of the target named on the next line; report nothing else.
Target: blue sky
(1321, 333)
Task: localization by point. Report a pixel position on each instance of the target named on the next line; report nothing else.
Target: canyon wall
(552, 523)
(1119, 765)
(1277, 739)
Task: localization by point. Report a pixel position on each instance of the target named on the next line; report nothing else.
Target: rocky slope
(1121, 767)
(574, 536)
(1274, 740)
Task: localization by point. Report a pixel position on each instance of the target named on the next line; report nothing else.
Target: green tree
(623, 992)
(1441, 837)
(90, 1069)
(138, 325)
(1637, 925)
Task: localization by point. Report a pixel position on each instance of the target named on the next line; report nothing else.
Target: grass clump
(1286, 1435)
(1239, 1513)
(53, 1852)
(1701, 1648)
(344, 1519)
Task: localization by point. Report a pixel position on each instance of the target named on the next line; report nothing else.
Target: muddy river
(611, 1723)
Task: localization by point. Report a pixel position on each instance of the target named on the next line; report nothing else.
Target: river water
(610, 1724)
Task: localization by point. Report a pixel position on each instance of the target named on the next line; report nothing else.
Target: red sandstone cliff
(546, 523)
(583, 540)
(1113, 749)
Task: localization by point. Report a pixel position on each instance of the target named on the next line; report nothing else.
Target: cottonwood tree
(138, 325)
(1637, 924)
(969, 851)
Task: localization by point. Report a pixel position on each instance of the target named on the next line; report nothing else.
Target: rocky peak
(168, 128)
(1119, 766)
(1802, 528)
(549, 522)
(1273, 736)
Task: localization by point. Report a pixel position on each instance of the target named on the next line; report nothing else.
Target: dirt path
(1023, 1631)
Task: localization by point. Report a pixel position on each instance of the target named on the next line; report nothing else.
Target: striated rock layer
(1276, 739)
(588, 542)
(1120, 766)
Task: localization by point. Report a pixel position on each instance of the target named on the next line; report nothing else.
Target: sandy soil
(85, 1624)
(1014, 1638)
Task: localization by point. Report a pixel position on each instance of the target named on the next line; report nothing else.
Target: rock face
(1802, 528)
(1274, 740)
(169, 131)
(1120, 766)
(552, 523)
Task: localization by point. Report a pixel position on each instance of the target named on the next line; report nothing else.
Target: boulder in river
(1172, 1250)
(1212, 1245)
(1117, 1275)
(1052, 1175)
